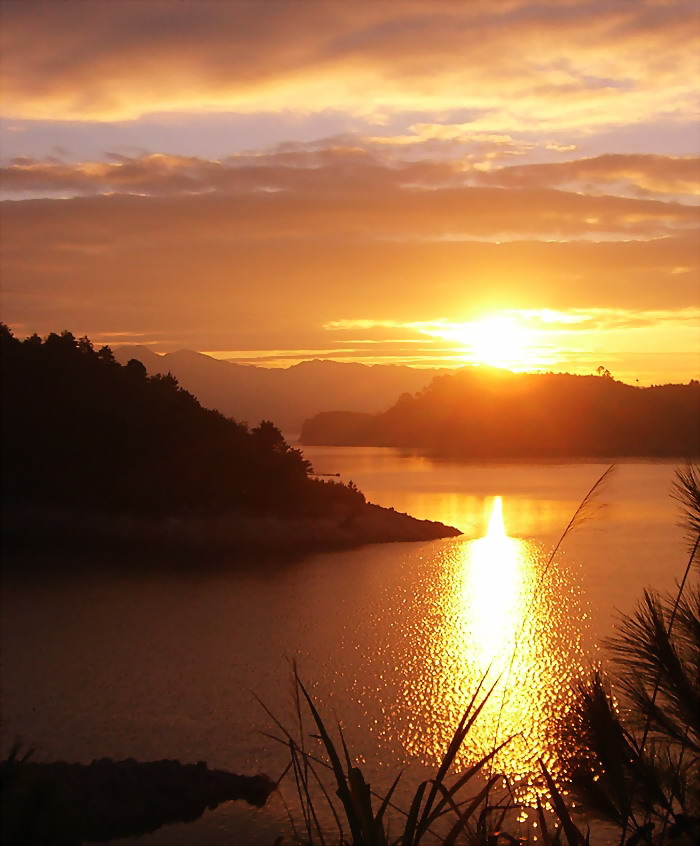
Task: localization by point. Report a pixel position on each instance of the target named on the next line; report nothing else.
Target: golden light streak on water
(497, 612)
(490, 594)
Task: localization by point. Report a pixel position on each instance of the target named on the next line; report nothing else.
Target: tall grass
(443, 808)
(637, 726)
(582, 514)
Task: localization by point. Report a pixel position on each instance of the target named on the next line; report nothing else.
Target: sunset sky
(430, 182)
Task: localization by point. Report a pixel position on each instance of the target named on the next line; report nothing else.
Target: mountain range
(288, 395)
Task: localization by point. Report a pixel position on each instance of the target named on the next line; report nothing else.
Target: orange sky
(274, 181)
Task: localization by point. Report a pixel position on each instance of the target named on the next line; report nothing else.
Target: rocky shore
(245, 531)
(61, 804)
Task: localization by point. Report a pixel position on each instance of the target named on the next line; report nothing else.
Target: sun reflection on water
(490, 592)
(496, 611)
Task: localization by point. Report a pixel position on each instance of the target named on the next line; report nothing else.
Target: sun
(504, 340)
(499, 341)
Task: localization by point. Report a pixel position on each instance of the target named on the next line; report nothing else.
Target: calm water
(391, 638)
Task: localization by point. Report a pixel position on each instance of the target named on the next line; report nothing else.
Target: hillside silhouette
(287, 395)
(80, 429)
(82, 434)
(488, 413)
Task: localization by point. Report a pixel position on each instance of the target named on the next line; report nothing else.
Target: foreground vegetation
(638, 723)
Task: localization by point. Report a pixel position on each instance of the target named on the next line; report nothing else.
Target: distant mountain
(485, 413)
(287, 396)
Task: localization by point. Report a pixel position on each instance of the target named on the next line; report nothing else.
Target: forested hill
(80, 430)
(485, 413)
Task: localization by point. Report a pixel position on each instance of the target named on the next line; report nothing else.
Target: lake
(392, 639)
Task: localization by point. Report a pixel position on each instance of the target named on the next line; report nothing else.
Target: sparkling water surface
(392, 639)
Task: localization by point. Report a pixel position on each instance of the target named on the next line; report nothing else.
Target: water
(391, 638)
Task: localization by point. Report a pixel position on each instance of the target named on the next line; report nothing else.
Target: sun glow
(498, 340)
(501, 342)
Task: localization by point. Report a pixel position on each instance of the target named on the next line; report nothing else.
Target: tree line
(80, 430)
(487, 413)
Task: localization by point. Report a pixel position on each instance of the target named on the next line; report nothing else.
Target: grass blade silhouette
(573, 834)
(581, 514)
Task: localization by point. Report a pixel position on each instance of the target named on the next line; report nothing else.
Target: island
(486, 413)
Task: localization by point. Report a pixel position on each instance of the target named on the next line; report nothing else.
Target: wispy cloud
(584, 63)
(347, 189)
(549, 339)
(636, 174)
(541, 320)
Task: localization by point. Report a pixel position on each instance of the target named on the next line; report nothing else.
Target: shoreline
(66, 804)
(236, 531)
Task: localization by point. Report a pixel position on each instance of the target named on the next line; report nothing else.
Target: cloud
(552, 64)
(549, 339)
(349, 191)
(441, 193)
(252, 270)
(549, 320)
(225, 267)
(288, 167)
(643, 175)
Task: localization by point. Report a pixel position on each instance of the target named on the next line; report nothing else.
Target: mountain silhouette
(286, 395)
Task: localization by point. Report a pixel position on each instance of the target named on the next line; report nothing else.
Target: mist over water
(392, 638)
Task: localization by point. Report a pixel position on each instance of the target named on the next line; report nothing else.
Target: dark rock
(66, 804)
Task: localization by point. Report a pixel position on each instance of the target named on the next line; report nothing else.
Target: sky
(423, 182)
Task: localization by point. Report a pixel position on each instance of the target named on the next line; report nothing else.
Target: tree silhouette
(76, 423)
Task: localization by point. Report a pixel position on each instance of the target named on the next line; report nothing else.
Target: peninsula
(99, 453)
